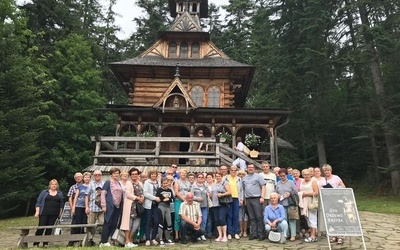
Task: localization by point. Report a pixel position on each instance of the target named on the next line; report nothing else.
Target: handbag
(139, 209)
(274, 236)
(293, 212)
(225, 200)
(118, 236)
(328, 185)
(313, 204)
(209, 201)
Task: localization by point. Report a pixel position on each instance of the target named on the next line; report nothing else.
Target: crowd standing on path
(176, 206)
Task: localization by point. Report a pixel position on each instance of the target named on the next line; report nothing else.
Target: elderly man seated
(275, 217)
(190, 219)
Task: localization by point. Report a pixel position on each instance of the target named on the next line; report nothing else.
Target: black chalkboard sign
(339, 211)
(66, 216)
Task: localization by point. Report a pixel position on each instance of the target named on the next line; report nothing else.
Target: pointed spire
(177, 71)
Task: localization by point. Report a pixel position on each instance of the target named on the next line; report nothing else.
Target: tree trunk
(364, 105)
(321, 149)
(390, 138)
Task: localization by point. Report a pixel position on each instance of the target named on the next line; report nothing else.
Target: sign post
(66, 216)
(340, 215)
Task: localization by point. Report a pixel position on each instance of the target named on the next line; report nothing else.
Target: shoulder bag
(327, 185)
(293, 212)
(224, 200)
(313, 204)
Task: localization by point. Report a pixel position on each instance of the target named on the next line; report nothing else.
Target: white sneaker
(237, 236)
(162, 243)
(199, 239)
(147, 243)
(130, 245)
(155, 243)
(170, 242)
(107, 244)
(203, 238)
(229, 237)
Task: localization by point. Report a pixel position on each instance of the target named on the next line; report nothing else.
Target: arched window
(172, 50)
(197, 95)
(184, 50)
(213, 97)
(180, 8)
(195, 50)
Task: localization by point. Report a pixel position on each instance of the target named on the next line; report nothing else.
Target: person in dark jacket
(49, 207)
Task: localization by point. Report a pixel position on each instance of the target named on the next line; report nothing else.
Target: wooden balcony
(146, 152)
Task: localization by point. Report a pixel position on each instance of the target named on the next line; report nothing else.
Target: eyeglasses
(134, 174)
(97, 174)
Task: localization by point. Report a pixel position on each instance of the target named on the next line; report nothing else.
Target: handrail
(239, 155)
(106, 150)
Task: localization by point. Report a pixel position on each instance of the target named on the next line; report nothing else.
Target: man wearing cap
(95, 211)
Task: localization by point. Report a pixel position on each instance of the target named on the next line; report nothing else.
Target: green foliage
(148, 25)
(20, 119)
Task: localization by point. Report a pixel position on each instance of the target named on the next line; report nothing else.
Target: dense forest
(335, 64)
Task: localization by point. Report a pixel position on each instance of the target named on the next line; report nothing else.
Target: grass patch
(378, 204)
(18, 222)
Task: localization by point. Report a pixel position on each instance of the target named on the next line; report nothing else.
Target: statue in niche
(175, 104)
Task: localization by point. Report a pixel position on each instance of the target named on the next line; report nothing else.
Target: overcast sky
(127, 9)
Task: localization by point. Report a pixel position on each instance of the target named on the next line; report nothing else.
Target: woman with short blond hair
(48, 208)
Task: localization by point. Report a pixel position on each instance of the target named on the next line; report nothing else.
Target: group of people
(176, 206)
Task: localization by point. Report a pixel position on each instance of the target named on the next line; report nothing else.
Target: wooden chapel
(182, 84)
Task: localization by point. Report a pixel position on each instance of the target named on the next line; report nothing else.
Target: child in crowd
(166, 197)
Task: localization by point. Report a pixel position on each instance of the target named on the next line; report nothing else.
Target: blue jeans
(282, 227)
(204, 218)
(151, 216)
(210, 228)
(232, 218)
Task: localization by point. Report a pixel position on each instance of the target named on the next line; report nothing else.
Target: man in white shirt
(270, 179)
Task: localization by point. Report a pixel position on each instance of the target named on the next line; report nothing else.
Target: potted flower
(149, 144)
(148, 133)
(225, 135)
(129, 134)
(252, 140)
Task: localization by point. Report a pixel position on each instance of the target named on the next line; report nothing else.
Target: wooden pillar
(272, 146)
